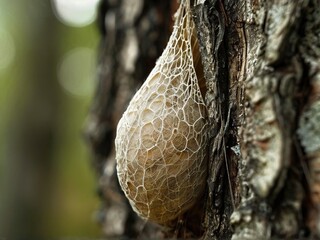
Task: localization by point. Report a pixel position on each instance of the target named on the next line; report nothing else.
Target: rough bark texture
(262, 67)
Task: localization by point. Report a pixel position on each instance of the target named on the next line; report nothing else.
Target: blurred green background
(47, 79)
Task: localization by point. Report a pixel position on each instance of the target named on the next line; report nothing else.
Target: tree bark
(261, 64)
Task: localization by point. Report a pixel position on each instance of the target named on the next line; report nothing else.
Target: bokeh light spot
(7, 49)
(76, 71)
(75, 13)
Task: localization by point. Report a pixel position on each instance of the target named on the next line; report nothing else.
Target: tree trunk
(30, 135)
(261, 64)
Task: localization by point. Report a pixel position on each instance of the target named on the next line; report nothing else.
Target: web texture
(162, 136)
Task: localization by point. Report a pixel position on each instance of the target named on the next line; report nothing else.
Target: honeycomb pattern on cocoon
(162, 136)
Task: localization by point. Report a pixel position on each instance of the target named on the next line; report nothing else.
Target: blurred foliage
(35, 95)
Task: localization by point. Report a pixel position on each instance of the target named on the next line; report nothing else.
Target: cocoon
(161, 141)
